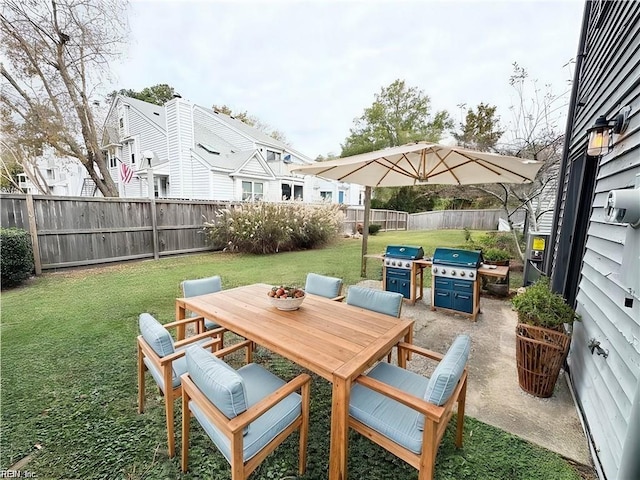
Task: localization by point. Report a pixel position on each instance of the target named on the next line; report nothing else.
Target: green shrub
(538, 305)
(274, 227)
(374, 229)
(16, 256)
(495, 255)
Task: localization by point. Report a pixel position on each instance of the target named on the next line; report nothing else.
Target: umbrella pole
(365, 230)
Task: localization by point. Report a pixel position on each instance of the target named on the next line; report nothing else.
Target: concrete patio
(493, 394)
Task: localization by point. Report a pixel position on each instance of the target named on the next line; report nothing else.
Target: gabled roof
(153, 112)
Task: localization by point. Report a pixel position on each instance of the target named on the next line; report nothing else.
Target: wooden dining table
(335, 340)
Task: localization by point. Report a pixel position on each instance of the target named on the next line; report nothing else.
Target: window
(133, 158)
(51, 174)
(327, 196)
(273, 156)
(112, 159)
(297, 192)
(286, 191)
(121, 122)
(291, 192)
(252, 191)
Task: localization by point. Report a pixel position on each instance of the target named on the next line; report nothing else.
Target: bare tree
(57, 53)
(535, 132)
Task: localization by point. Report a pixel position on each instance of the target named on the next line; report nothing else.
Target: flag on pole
(125, 173)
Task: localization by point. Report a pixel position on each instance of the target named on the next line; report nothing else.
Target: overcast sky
(309, 68)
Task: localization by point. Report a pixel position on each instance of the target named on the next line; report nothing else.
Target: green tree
(399, 114)
(480, 130)
(158, 94)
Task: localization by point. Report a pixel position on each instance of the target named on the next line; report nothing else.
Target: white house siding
(150, 137)
(253, 167)
(179, 118)
(199, 176)
(211, 123)
(606, 388)
(222, 186)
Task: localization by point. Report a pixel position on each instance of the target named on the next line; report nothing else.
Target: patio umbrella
(421, 163)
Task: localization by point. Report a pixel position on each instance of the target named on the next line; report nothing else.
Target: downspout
(570, 121)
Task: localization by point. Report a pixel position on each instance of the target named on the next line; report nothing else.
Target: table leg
(339, 428)
(180, 315)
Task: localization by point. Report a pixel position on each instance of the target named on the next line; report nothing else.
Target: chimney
(179, 118)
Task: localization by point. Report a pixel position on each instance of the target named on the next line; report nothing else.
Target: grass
(69, 377)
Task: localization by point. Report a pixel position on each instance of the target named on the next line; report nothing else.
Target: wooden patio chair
(203, 286)
(329, 287)
(381, 301)
(247, 412)
(164, 359)
(407, 413)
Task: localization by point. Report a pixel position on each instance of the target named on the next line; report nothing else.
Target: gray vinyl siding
(208, 120)
(200, 180)
(150, 136)
(609, 81)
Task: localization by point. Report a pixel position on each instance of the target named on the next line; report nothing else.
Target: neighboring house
(59, 175)
(200, 153)
(596, 259)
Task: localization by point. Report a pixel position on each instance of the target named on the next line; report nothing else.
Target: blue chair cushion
(258, 383)
(156, 336)
(220, 383)
(202, 286)
(446, 375)
(379, 301)
(322, 285)
(179, 366)
(385, 415)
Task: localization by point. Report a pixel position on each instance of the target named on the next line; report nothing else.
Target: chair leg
(304, 429)
(141, 370)
(429, 451)
(168, 407)
(186, 422)
(460, 420)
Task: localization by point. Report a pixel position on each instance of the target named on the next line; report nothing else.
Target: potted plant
(541, 342)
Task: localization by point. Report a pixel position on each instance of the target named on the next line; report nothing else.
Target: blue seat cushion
(322, 285)
(202, 286)
(220, 383)
(446, 375)
(379, 301)
(258, 383)
(156, 336)
(385, 415)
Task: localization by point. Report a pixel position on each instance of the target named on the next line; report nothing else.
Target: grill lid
(457, 257)
(404, 251)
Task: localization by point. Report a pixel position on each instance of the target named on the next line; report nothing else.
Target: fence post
(154, 228)
(33, 230)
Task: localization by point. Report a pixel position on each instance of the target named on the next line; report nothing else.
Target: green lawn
(69, 376)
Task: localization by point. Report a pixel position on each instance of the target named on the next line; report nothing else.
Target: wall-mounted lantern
(601, 134)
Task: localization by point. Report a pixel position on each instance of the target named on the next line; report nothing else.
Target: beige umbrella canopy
(421, 164)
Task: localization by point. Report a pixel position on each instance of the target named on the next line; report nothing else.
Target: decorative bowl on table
(286, 298)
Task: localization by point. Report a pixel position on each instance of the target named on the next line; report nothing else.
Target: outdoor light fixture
(601, 134)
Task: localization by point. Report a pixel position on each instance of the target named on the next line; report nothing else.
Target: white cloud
(309, 68)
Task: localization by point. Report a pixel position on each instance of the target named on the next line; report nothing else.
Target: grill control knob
(462, 274)
(408, 264)
(443, 271)
(453, 273)
(435, 269)
(471, 274)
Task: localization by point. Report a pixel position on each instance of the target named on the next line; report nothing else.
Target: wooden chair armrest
(184, 321)
(429, 410)
(232, 348)
(420, 351)
(339, 298)
(200, 336)
(245, 418)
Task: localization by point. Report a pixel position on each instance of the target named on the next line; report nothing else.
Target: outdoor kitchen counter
(483, 271)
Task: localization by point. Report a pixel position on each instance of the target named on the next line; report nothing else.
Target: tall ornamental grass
(274, 227)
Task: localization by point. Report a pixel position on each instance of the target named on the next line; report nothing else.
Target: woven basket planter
(540, 353)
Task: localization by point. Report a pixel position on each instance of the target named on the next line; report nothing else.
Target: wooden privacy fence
(76, 231)
(459, 219)
(387, 219)
(79, 231)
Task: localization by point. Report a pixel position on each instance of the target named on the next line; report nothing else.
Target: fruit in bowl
(286, 298)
